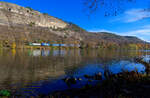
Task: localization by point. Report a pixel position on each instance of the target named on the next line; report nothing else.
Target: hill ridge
(22, 25)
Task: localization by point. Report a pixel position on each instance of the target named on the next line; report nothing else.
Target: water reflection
(42, 68)
(36, 53)
(59, 53)
(90, 69)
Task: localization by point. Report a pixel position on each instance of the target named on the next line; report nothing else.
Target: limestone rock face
(11, 14)
(21, 25)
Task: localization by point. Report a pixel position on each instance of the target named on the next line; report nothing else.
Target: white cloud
(133, 15)
(146, 26)
(142, 33)
(145, 32)
(101, 30)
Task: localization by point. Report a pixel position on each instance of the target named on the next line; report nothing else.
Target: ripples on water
(41, 71)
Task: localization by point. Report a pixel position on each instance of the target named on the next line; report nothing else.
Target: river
(33, 72)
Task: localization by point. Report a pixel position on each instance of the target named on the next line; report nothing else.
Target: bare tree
(110, 7)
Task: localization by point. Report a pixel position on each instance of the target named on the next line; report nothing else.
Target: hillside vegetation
(20, 25)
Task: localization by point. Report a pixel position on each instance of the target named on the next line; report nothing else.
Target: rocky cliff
(19, 24)
(25, 24)
(14, 14)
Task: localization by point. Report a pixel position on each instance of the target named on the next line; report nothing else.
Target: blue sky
(134, 20)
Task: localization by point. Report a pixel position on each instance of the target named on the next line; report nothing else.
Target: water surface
(40, 71)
